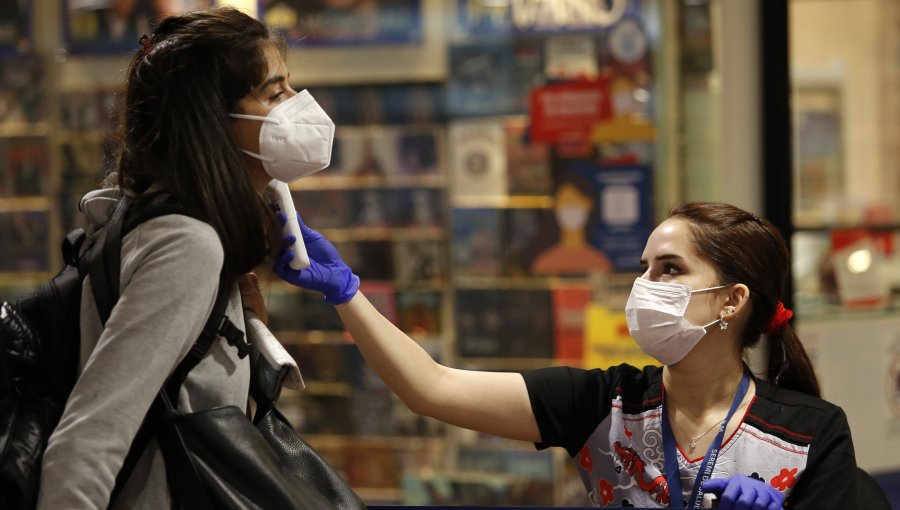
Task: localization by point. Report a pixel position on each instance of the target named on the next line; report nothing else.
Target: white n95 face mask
(295, 138)
(655, 315)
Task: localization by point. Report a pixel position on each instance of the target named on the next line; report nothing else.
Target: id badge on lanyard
(673, 478)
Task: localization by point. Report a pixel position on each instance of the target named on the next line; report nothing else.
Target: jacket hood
(98, 205)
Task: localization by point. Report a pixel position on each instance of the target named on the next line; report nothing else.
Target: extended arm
(490, 402)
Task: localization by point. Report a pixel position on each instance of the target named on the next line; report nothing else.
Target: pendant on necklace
(693, 443)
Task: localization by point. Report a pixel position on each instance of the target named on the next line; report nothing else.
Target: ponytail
(789, 365)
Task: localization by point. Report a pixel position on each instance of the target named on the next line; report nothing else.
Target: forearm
(490, 402)
(399, 360)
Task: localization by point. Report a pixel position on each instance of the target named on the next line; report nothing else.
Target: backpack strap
(104, 270)
(217, 324)
(106, 263)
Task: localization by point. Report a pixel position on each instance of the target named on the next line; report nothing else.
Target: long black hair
(176, 140)
(746, 249)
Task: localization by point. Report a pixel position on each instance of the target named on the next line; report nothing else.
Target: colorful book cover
(373, 208)
(370, 260)
(23, 89)
(528, 164)
(366, 152)
(528, 232)
(624, 212)
(327, 362)
(382, 297)
(418, 151)
(284, 305)
(418, 208)
(79, 111)
(479, 80)
(323, 209)
(569, 309)
(527, 326)
(492, 78)
(479, 324)
(325, 414)
(574, 220)
(531, 464)
(419, 261)
(384, 104)
(478, 159)
(25, 241)
(114, 27)
(504, 323)
(316, 314)
(608, 341)
(27, 166)
(419, 313)
(476, 247)
(373, 465)
(15, 26)
(306, 23)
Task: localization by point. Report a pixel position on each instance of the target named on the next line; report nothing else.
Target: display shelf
(23, 129)
(394, 442)
(80, 137)
(503, 202)
(24, 279)
(384, 234)
(12, 204)
(503, 364)
(336, 389)
(512, 282)
(377, 495)
(329, 182)
(313, 337)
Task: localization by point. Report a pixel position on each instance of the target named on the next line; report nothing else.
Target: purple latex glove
(743, 493)
(326, 273)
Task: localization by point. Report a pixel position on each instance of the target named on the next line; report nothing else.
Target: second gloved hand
(326, 273)
(743, 493)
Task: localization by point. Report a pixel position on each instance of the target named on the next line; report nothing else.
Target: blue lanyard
(673, 478)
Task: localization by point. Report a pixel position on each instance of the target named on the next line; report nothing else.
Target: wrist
(348, 290)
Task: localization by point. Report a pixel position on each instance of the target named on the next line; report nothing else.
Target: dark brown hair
(176, 139)
(746, 249)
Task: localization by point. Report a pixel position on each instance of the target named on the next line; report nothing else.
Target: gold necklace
(694, 439)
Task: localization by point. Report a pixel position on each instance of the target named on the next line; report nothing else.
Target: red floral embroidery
(585, 460)
(628, 433)
(606, 492)
(784, 480)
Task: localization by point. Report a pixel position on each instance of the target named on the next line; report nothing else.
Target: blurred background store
(497, 167)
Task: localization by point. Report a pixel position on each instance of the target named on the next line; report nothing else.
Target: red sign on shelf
(566, 112)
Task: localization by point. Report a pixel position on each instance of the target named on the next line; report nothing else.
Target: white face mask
(295, 138)
(572, 217)
(655, 315)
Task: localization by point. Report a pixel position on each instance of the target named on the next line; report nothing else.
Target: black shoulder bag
(219, 458)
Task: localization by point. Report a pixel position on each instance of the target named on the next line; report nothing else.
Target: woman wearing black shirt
(701, 424)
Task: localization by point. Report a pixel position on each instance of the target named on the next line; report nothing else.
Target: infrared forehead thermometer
(278, 195)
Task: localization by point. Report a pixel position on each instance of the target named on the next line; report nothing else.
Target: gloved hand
(326, 273)
(743, 493)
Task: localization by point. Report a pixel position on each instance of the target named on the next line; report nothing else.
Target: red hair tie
(779, 319)
(146, 42)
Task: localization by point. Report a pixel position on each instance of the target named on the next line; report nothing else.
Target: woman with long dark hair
(199, 91)
(714, 276)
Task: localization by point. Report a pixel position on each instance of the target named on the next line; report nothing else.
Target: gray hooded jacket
(169, 279)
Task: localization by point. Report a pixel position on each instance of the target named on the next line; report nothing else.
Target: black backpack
(39, 349)
(39, 352)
